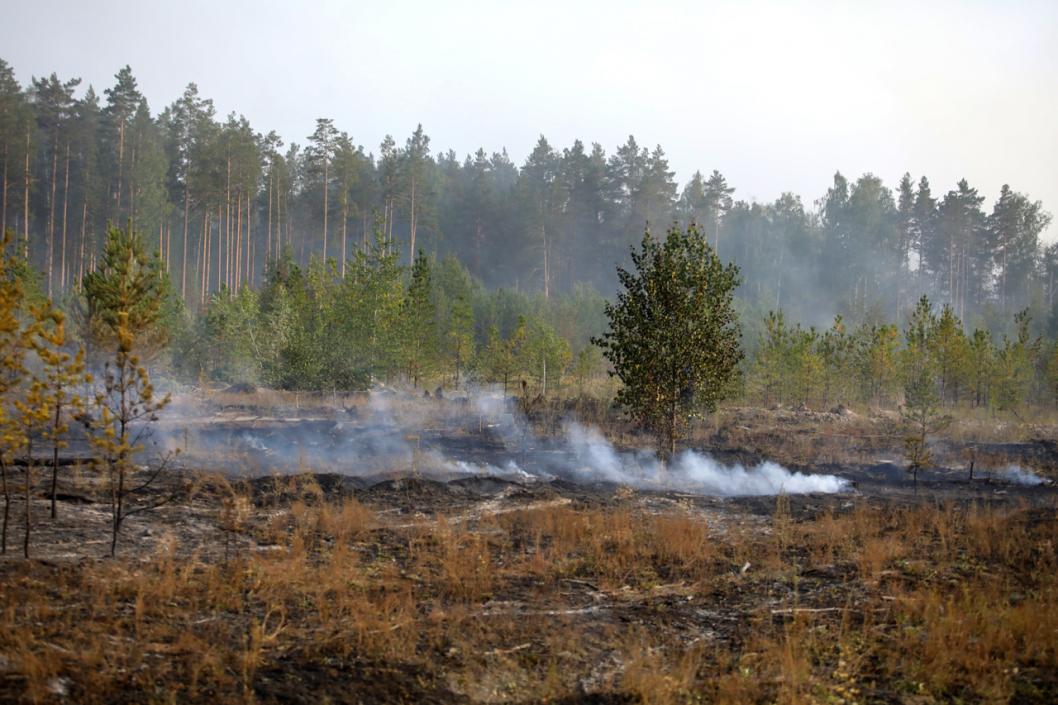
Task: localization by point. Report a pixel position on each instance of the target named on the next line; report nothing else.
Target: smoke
(480, 434)
(1016, 475)
(689, 471)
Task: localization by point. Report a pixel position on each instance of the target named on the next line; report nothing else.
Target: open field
(319, 587)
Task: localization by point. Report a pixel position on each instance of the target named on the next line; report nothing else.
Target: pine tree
(875, 361)
(367, 312)
(455, 324)
(540, 194)
(415, 163)
(834, 347)
(502, 356)
(11, 111)
(54, 105)
(89, 187)
(921, 409)
(32, 417)
(320, 155)
(693, 206)
(718, 203)
(924, 237)
(59, 375)
(123, 314)
(1014, 229)
(13, 346)
(1052, 374)
(1015, 364)
(947, 346)
(770, 369)
(418, 318)
(962, 255)
(123, 100)
(128, 289)
(348, 171)
(185, 121)
(122, 408)
(981, 363)
(389, 183)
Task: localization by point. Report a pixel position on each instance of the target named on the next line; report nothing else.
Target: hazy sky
(776, 95)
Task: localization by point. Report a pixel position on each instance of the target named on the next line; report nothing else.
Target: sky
(776, 95)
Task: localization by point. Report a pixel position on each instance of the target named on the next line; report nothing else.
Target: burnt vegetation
(618, 596)
(323, 425)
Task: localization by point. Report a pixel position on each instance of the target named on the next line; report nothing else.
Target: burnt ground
(434, 585)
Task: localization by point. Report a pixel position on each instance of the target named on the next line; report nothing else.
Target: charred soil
(327, 587)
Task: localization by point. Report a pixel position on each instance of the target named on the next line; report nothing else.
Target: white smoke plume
(1016, 475)
(690, 471)
(481, 434)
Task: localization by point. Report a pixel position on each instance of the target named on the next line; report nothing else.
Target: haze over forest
(541, 188)
(577, 352)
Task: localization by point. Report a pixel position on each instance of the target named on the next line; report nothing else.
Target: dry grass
(876, 604)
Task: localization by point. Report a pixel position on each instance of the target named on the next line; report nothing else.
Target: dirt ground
(330, 587)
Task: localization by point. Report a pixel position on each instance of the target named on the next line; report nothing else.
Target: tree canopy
(674, 336)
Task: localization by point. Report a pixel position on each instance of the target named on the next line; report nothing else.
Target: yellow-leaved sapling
(122, 411)
(12, 355)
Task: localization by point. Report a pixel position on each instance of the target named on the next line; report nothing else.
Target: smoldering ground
(390, 433)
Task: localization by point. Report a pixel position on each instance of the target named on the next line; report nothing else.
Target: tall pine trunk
(132, 185)
(325, 191)
(121, 164)
(412, 226)
(227, 227)
(203, 257)
(237, 277)
(547, 262)
(25, 201)
(279, 223)
(479, 242)
(268, 237)
(84, 228)
(249, 243)
(3, 196)
(65, 206)
(51, 214)
(220, 247)
(345, 227)
(187, 210)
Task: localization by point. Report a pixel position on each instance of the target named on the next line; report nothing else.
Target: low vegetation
(314, 597)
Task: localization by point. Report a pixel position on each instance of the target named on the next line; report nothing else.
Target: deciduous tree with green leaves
(674, 336)
(545, 354)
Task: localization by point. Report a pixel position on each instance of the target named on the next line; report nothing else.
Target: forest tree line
(434, 325)
(219, 199)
